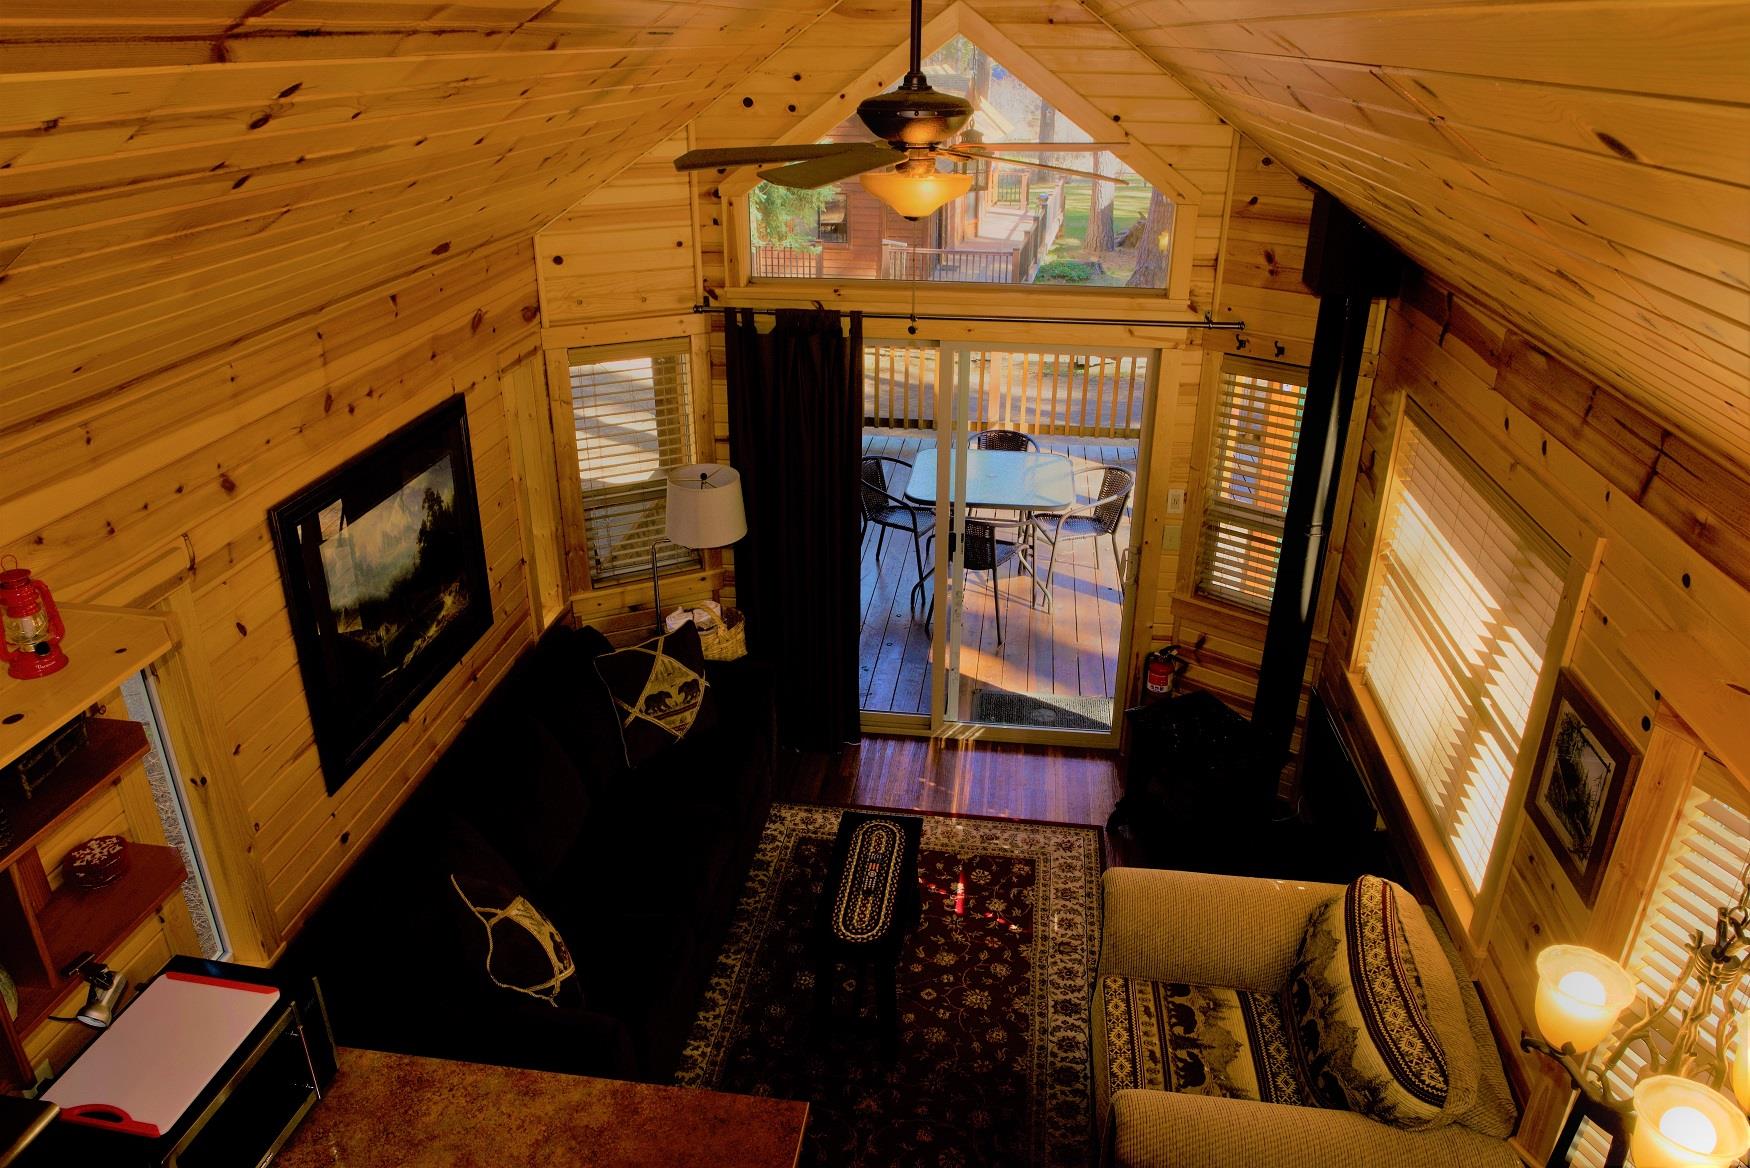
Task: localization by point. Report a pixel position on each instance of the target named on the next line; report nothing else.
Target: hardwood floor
(960, 777)
(1070, 651)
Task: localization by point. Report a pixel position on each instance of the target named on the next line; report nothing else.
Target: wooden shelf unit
(43, 929)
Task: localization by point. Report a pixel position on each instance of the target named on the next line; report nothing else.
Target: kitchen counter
(398, 1111)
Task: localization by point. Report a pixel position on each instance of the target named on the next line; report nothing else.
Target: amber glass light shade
(1680, 1123)
(1580, 995)
(916, 193)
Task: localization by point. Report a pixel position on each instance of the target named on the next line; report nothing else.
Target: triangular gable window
(1016, 226)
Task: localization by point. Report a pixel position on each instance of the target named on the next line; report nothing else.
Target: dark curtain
(795, 434)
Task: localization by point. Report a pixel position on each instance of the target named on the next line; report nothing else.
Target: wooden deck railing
(787, 261)
(900, 261)
(1077, 394)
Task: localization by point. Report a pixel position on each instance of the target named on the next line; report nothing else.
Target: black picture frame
(394, 536)
(1585, 767)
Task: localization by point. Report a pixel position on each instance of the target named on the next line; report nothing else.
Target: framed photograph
(1585, 766)
(385, 576)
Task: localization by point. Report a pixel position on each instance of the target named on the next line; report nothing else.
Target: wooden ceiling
(1581, 166)
(176, 175)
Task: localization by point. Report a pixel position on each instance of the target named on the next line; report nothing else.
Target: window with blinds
(1251, 463)
(1465, 592)
(632, 409)
(1703, 870)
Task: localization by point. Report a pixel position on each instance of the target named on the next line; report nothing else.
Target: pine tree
(1100, 236)
(1152, 251)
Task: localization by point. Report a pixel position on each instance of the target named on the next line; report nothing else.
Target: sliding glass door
(1019, 467)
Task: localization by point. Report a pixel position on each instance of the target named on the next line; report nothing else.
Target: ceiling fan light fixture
(915, 191)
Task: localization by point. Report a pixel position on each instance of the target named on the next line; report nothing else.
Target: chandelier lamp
(1679, 1114)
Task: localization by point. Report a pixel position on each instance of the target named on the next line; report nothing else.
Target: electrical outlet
(1176, 501)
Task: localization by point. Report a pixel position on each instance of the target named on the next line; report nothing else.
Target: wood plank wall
(1263, 248)
(1663, 642)
(160, 495)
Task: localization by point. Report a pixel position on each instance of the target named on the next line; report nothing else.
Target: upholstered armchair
(1192, 963)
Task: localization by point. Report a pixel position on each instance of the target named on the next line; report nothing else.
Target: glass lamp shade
(1680, 1123)
(1580, 995)
(704, 505)
(915, 193)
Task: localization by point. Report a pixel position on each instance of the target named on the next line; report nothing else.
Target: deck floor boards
(1069, 651)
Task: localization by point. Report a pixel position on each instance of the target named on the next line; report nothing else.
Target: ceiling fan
(917, 125)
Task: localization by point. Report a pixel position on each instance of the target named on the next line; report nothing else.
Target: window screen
(1251, 463)
(1465, 594)
(633, 412)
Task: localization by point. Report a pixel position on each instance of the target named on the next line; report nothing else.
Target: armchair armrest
(1204, 929)
(1165, 1129)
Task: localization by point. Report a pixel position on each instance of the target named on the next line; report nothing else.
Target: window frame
(1209, 434)
(1469, 913)
(612, 342)
(843, 238)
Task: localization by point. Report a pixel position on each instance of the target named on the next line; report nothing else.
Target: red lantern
(33, 625)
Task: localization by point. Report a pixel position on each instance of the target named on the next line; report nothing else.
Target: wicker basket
(722, 631)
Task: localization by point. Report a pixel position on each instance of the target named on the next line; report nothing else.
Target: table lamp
(704, 511)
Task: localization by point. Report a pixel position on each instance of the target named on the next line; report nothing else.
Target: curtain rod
(1205, 323)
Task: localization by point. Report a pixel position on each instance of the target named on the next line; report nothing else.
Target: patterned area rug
(992, 1067)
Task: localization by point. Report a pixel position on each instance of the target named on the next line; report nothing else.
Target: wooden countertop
(393, 1110)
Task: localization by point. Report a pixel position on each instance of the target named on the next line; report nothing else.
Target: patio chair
(985, 552)
(1099, 516)
(883, 507)
(1001, 440)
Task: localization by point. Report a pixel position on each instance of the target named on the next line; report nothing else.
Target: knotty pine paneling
(625, 250)
(189, 461)
(1656, 580)
(1576, 172)
(173, 181)
(1263, 246)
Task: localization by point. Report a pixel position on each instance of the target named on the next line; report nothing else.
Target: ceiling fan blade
(1044, 147)
(727, 156)
(1111, 178)
(854, 159)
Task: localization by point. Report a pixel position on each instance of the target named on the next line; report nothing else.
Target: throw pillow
(500, 941)
(523, 951)
(1377, 1010)
(659, 692)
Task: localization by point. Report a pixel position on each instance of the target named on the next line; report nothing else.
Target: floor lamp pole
(656, 579)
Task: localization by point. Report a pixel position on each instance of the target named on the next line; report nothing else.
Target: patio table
(1022, 481)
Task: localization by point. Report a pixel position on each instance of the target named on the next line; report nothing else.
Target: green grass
(1129, 204)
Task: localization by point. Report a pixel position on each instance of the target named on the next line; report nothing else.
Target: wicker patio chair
(1001, 440)
(1090, 520)
(885, 508)
(986, 551)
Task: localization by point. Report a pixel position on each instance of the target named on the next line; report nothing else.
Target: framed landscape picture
(1585, 767)
(385, 579)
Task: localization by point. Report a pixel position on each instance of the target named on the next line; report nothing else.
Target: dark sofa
(638, 869)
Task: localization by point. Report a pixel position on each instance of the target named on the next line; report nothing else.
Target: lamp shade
(1680, 1123)
(1580, 995)
(914, 193)
(704, 505)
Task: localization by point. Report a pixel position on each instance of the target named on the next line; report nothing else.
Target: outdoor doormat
(999, 707)
(992, 1064)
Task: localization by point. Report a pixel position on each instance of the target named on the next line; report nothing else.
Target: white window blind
(633, 412)
(1251, 463)
(1703, 870)
(1466, 589)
